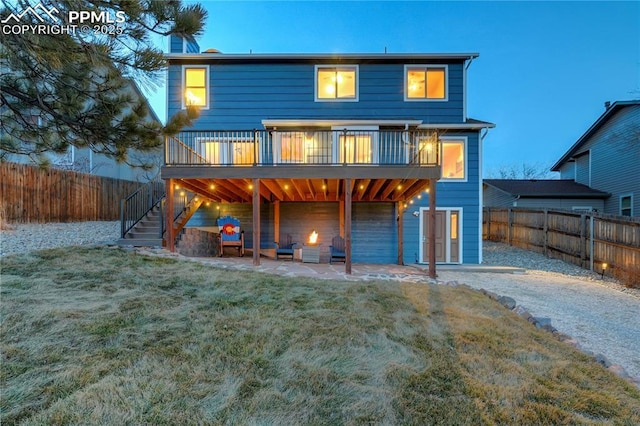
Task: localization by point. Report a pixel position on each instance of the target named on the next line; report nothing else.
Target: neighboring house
(86, 161)
(542, 194)
(343, 144)
(607, 158)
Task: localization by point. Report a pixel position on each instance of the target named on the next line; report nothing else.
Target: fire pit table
(310, 253)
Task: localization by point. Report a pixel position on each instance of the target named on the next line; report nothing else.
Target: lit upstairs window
(426, 83)
(196, 86)
(337, 83)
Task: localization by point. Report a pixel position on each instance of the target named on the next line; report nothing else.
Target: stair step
(148, 242)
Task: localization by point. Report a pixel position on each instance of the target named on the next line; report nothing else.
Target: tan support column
(170, 238)
(400, 210)
(347, 226)
(256, 222)
(432, 228)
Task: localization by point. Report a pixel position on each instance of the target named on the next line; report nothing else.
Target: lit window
(227, 151)
(356, 148)
(453, 161)
(195, 86)
(625, 205)
(428, 149)
(426, 82)
(333, 83)
(292, 147)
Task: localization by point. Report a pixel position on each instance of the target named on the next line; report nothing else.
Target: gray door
(447, 236)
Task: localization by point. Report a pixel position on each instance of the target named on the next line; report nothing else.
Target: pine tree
(75, 88)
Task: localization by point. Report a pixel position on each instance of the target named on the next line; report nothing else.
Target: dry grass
(95, 336)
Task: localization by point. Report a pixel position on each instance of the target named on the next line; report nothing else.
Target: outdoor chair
(285, 247)
(230, 234)
(336, 250)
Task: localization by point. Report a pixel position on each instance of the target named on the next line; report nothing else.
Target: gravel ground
(601, 315)
(35, 236)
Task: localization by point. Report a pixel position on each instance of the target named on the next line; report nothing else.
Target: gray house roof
(533, 188)
(612, 109)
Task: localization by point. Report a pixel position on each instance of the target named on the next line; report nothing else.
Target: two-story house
(354, 145)
(607, 158)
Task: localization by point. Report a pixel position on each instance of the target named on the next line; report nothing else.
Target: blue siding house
(607, 158)
(351, 145)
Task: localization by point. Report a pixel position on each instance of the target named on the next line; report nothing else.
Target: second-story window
(196, 86)
(426, 82)
(337, 83)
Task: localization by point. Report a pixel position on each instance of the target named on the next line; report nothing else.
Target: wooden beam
(325, 188)
(298, 188)
(376, 188)
(341, 208)
(400, 219)
(168, 207)
(197, 187)
(392, 185)
(256, 222)
(364, 183)
(311, 189)
(303, 171)
(276, 220)
(272, 186)
(432, 228)
(416, 188)
(347, 226)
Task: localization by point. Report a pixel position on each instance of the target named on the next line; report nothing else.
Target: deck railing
(314, 147)
(138, 204)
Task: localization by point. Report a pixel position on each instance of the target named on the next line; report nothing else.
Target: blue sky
(544, 72)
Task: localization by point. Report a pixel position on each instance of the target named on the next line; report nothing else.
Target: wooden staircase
(146, 233)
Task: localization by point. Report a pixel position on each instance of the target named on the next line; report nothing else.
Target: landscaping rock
(507, 302)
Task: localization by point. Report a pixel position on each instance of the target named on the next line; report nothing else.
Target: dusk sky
(544, 72)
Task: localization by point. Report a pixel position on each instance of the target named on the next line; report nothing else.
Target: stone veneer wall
(196, 243)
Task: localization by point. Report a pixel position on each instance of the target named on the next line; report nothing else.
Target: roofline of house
(473, 125)
(616, 106)
(334, 57)
(599, 194)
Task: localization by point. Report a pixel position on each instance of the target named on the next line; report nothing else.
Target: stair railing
(137, 205)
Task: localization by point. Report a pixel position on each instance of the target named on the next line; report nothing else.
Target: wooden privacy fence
(30, 194)
(587, 239)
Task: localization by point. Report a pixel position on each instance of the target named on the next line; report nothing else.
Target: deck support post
(399, 219)
(341, 209)
(256, 222)
(432, 228)
(276, 221)
(347, 226)
(170, 238)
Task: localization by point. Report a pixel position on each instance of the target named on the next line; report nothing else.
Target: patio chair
(230, 234)
(336, 250)
(285, 247)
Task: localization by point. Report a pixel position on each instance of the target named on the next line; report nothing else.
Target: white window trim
(207, 84)
(465, 141)
(427, 66)
(355, 67)
(628, 194)
(424, 211)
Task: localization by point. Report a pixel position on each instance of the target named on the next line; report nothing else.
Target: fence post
(545, 230)
(583, 240)
(509, 225)
(591, 255)
(488, 219)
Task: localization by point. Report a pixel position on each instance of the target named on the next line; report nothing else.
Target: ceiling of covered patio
(241, 190)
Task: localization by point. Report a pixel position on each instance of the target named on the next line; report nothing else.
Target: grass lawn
(99, 335)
